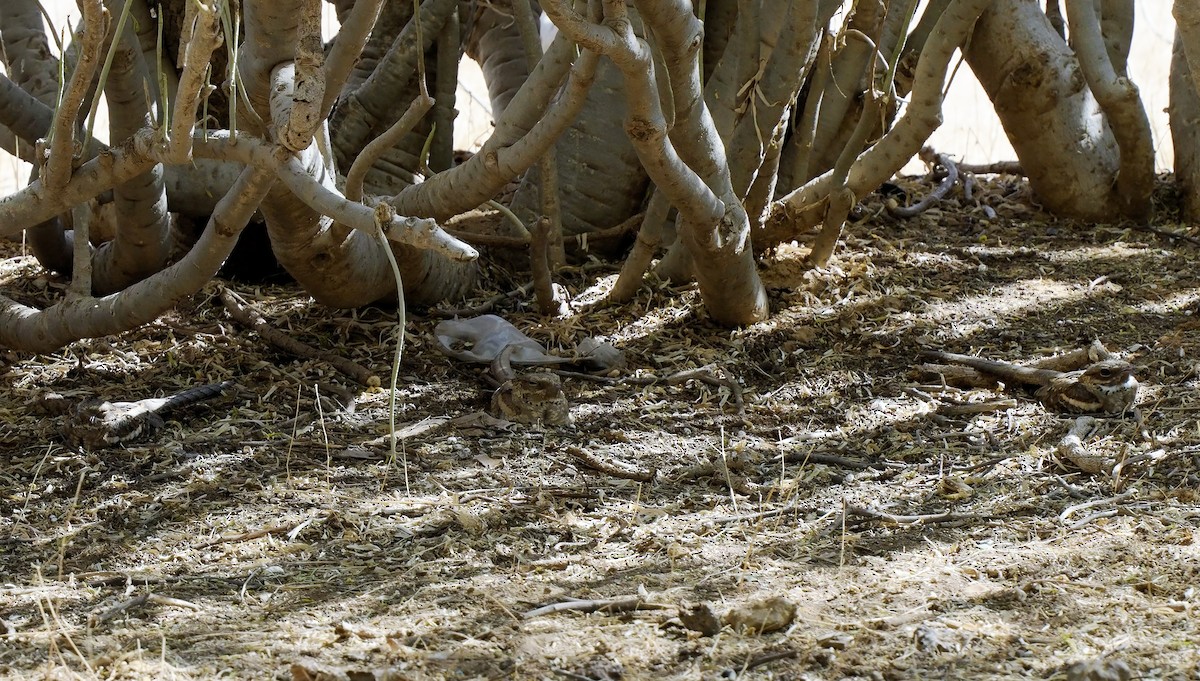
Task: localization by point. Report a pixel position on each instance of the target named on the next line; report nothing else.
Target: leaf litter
(268, 534)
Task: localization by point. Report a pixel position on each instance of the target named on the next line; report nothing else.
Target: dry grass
(260, 537)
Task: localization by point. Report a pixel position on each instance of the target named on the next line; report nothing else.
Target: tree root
(941, 164)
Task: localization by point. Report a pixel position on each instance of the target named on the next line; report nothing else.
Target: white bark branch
(205, 38)
(62, 142)
(1120, 101)
(28, 329)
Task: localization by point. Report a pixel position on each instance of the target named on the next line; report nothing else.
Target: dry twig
(1071, 448)
(957, 408)
(758, 661)
(1095, 503)
(251, 319)
(830, 460)
(255, 534)
(613, 467)
(702, 375)
(1171, 234)
(945, 518)
(606, 605)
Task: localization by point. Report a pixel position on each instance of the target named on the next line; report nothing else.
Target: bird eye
(1105, 372)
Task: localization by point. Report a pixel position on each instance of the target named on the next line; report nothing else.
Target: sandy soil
(261, 535)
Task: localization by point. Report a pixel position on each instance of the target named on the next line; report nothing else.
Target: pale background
(970, 131)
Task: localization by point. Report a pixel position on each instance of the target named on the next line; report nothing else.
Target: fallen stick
(997, 168)
(137, 602)
(253, 534)
(613, 467)
(1095, 503)
(760, 515)
(944, 518)
(608, 605)
(1071, 448)
(758, 661)
(702, 375)
(251, 319)
(831, 460)
(956, 408)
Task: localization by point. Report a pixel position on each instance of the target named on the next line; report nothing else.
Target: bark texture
(1051, 118)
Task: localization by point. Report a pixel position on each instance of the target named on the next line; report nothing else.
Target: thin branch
(419, 232)
(512, 148)
(997, 168)
(1119, 100)
(381, 144)
(841, 196)
(649, 239)
(347, 47)
(604, 605)
(552, 251)
(193, 85)
(62, 142)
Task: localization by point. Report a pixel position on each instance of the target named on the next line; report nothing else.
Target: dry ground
(259, 537)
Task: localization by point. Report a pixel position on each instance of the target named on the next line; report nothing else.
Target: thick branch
(1119, 99)
(22, 113)
(358, 170)
(374, 101)
(306, 111)
(142, 243)
(193, 86)
(772, 95)
(28, 329)
(725, 269)
(418, 232)
(36, 203)
(505, 155)
(347, 46)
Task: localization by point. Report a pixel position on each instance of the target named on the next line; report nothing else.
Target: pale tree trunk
(1185, 103)
(686, 161)
(600, 181)
(813, 203)
(33, 67)
(784, 126)
(143, 243)
(495, 43)
(1062, 134)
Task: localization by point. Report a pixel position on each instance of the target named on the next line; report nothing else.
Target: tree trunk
(1058, 130)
